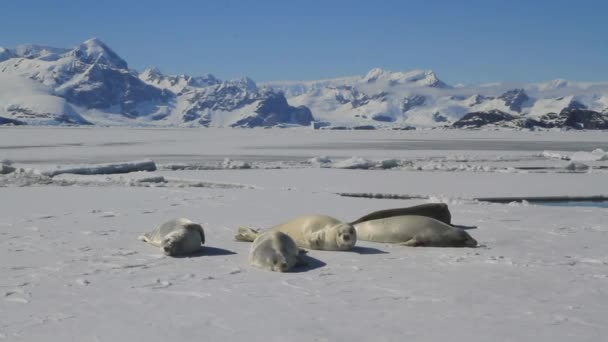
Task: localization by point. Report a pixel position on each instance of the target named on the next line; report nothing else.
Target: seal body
(414, 230)
(312, 232)
(438, 211)
(176, 237)
(275, 251)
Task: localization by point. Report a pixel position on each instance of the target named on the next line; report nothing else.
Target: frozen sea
(72, 268)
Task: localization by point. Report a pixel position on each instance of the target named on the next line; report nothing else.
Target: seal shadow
(311, 264)
(464, 227)
(367, 250)
(207, 251)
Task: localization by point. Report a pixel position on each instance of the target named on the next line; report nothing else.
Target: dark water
(594, 204)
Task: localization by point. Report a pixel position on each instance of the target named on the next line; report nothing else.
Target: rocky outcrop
(11, 122)
(479, 119)
(383, 118)
(105, 87)
(350, 95)
(576, 119)
(411, 102)
(273, 110)
(567, 118)
(514, 99)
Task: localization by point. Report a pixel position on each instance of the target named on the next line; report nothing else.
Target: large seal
(312, 232)
(176, 237)
(414, 230)
(275, 251)
(438, 211)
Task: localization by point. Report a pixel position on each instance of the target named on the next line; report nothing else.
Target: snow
(26, 100)
(71, 265)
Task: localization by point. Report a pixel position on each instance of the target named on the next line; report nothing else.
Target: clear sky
(462, 41)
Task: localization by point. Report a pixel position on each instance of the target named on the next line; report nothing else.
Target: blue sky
(462, 41)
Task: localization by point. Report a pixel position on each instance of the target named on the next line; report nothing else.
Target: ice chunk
(596, 155)
(576, 166)
(553, 155)
(6, 169)
(354, 163)
(235, 164)
(106, 169)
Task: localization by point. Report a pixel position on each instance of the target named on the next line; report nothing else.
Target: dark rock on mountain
(514, 99)
(584, 119)
(411, 102)
(221, 97)
(383, 118)
(478, 99)
(576, 119)
(68, 117)
(567, 118)
(437, 117)
(348, 94)
(364, 128)
(575, 105)
(5, 54)
(106, 87)
(479, 119)
(272, 110)
(12, 122)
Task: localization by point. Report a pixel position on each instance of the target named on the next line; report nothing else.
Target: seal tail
(246, 234)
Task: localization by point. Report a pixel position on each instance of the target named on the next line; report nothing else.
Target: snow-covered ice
(71, 267)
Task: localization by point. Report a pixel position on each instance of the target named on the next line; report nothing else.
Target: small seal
(176, 237)
(275, 251)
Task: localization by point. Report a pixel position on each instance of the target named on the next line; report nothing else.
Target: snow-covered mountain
(419, 98)
(91, 84)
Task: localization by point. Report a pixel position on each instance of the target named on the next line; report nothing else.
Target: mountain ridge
(92, 84)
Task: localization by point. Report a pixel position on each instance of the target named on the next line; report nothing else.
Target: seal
(413, 231)
(275, 251)
(312, 232)
(438, 211)
(176, 237)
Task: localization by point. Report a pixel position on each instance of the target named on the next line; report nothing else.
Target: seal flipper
(147, 238)
(300, 262)
(413, 242)
(246, 234)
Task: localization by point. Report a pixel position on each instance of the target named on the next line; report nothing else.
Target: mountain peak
(5, 54)
(93, 51)
(151, 73)
(244, 82)
(418, 77)
(374, 74)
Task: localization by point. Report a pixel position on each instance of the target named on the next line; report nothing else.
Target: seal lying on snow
(438, 211)
(413, 230)
(312, 232)
(176, 237)
(275, 251)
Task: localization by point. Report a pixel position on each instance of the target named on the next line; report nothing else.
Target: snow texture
(71, 265)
